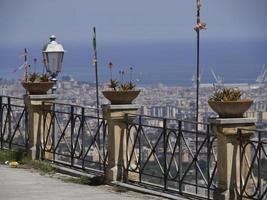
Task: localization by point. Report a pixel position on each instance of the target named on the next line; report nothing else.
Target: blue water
(170, 63)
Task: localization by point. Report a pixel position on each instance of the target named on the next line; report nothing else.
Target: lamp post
(53, 53)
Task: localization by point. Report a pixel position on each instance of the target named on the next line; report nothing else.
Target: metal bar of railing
(259, 165)
(105, 154)
(72, 124)
(208, 159)
(164, 132)
(9, 122)
(26, 122)
(240, 164)
(180, 169)
(53, 127)
(140, 147)
(1, 122)
(83, 139)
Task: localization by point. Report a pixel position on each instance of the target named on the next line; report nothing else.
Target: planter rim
(29, 82)
(121, 91)
(121, 97)
(238, 101)
(230, 109)
(37, 87)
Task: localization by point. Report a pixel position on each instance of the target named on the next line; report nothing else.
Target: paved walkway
(24, 184)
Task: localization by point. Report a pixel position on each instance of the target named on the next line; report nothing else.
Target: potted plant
(37, 84)
(121, 93)
(227, 103)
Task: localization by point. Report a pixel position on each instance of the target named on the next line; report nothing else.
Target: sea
(147, 63)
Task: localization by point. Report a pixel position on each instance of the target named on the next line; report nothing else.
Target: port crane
(218, 79)
(262, 78)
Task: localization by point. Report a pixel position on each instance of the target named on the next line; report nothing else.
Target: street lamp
(53, 53)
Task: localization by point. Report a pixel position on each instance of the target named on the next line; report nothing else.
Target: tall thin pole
(96, 85)
(198, 34)
(197, 92)
(199, 26)
(96, 73)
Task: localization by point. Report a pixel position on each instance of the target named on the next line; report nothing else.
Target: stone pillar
(36, 130)
(117, 140)
(228, 154)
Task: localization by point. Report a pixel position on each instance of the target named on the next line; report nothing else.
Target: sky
(25, 22)
(29, 23)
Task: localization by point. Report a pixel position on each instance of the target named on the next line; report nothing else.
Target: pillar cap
(232, 120)
(120, 107)
(41, 97)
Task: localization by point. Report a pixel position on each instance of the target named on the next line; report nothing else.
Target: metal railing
(13, 123)
(253, 162)
(170, 154)
(162, 154)
(74, 136)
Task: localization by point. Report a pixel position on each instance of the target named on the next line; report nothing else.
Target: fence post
(35, 109)
(228, 154)
(117, 144)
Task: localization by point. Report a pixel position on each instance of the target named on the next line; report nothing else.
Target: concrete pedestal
(36, 128)
(228, 154)
(117, 140)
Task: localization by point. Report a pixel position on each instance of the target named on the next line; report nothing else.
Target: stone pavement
(26, 184)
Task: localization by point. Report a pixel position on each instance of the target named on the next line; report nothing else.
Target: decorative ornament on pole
(200, 25)
(25, 65)
(110, 65)
(53, 53)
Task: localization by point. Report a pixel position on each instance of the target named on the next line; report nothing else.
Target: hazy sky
(30, 22)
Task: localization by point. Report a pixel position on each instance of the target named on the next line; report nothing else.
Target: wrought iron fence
(253, 162)
(13, 123)
(74, 136)
(170, 154)
(166, 154)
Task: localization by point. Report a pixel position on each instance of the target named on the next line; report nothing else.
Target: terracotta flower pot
(230, 109)
(121, 97)
(37, 88)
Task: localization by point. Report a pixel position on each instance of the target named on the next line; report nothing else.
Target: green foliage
(84, 180)
(117, 86)
(12, 156)
(126, 86)
(114, 84)
(35, 77)
(226, 94)
(25, 161)
(40, 166)
(44, 78)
